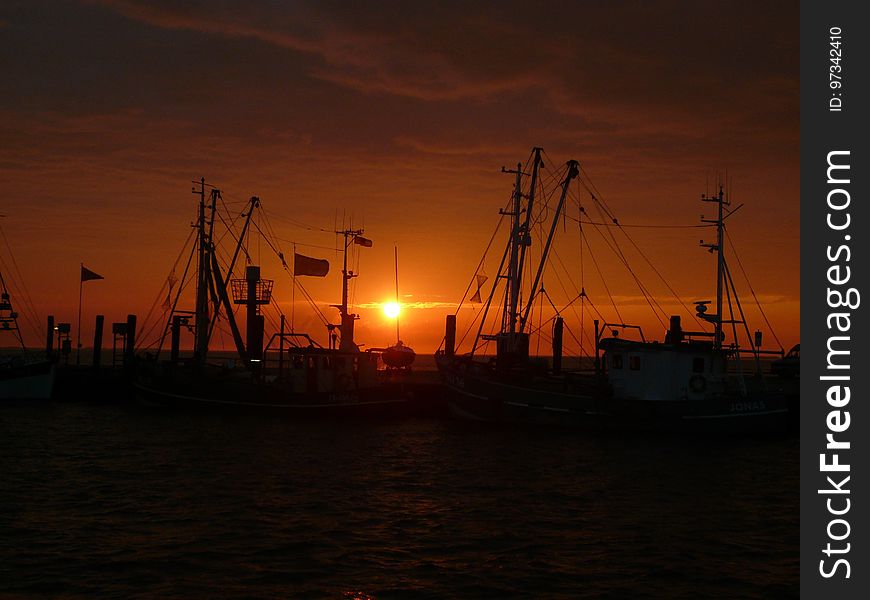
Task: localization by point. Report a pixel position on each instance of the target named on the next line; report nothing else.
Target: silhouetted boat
(682, 383)
(292, 372)
(398, 356)
(789, 366)
(23, 374)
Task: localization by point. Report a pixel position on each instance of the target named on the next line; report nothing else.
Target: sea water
(121, 500)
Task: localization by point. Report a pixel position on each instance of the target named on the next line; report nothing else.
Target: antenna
(396, 255)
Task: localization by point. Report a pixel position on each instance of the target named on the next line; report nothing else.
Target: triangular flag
(476, 298)
(481, 279)
(88, 275)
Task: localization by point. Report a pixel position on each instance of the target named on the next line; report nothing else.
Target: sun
(392, 310)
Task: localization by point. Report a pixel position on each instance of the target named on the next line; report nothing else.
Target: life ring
(697, 383)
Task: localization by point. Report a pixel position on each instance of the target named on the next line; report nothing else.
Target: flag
(88, 275)
(481, 279)
(364, 242)
(171, 280)
(313, 267)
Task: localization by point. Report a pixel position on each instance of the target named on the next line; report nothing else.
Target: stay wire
(752, 290)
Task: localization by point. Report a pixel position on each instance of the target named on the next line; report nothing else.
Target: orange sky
(399, 117)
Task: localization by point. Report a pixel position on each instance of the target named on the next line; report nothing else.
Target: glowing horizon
(389, 122)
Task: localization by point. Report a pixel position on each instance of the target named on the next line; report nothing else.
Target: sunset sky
(397, 117)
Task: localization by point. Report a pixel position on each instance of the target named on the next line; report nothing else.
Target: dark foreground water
(126, 501)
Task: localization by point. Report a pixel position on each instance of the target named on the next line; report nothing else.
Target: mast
(222, 282)
(720, 265)
(8, 317)
(520, 240)
(203, 275)
(572, 172)
(509, 317)
(396, 255)
(201, 307)
(346, 275)
(526, 239)
(719, 221)
(350, 236)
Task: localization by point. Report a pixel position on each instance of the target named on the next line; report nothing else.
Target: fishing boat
(689, 381)
(290, 371)
(23, 374)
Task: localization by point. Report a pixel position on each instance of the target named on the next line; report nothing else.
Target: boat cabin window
(698, 364)
(616, 361)
(634, 363)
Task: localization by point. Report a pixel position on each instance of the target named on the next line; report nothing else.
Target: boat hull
(230, 393)
(398, 357)
(27, 381)
(479, 393)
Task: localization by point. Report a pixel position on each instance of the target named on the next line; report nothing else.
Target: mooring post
(450, 336)
(131, 340)
(597, 358)
(98, 340)
(558, 325)
(281, 349)
(49, 338)
(176, 338)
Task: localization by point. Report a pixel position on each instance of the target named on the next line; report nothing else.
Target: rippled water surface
(124, 500)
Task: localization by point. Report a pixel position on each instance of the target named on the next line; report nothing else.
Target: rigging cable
(286, 268)
(30, 313)
(743, 319)
(650, 300)
(600, 201)
(143, 332)
(603, 281)
(752, 290)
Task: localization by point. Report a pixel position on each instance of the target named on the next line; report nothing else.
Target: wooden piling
(98, 340)
(450, 336)
(49, 337)
(129, 352)
(558, 326)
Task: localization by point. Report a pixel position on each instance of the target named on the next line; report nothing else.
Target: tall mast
(346, 276)
(201, 282)
(203, 277)
(396, 254)
(519, 241)
(525, 231)
(347, 319)
(509, 317)
(720, 265)
(719, 221)
(223, 282)
(8, 317)
(571, 173)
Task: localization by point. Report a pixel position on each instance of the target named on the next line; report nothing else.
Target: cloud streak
(394, 115)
